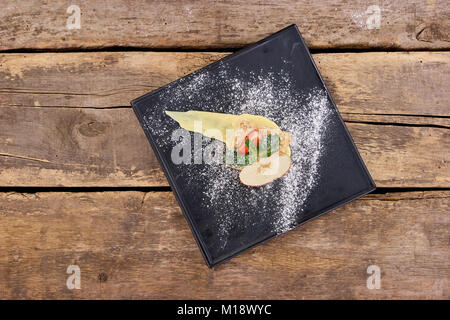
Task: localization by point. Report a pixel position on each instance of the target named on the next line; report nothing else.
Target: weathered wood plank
(198, 24)
(388, 83)
(90, 147)
(138, 245)
(371, 83)
(75, 147)
(107, 147)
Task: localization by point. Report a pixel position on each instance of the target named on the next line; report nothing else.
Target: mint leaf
(239, 160)
(269, 145)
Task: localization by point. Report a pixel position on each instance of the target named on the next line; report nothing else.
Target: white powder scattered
(308, 131)
(273, 95)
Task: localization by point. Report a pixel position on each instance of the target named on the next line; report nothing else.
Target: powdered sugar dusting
(271, 94)
(308, 131)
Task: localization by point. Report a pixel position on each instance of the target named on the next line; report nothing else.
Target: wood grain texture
(138, 245)
(75, 147)
(106, 147)
(59, 144)
(199, 24)
(65, 122)
(371, 83)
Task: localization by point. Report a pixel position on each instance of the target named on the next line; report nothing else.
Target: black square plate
(275, 78)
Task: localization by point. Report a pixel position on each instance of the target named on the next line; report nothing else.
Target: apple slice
(265, 170)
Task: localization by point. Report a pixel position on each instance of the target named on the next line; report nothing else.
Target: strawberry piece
(243, 148)
(254, 138)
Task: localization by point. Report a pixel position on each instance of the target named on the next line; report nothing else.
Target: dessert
(254, 144)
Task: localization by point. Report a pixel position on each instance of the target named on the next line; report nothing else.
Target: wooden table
(75, 191)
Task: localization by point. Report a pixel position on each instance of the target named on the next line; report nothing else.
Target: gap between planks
(214, 50)
(31, 189)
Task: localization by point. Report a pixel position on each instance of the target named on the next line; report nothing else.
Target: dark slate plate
(278, 79)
